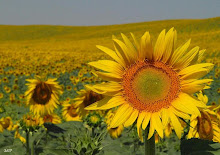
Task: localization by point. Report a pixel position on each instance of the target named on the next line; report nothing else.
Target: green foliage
(199, 147)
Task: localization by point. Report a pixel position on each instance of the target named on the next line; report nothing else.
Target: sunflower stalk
(27, 141)
(149, 144)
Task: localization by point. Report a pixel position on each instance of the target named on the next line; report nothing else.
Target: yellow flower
(1, 95)
(17, 134)
(94, 119)
(52, 118)
(69, 112)
(2, 109)
(114, 132)
(15, 87)
(12, 97)
(69, 88)
(205, 126)
(86, 98)
(6, 123)
(7, 89)
(150, 85)
(31, 121)
(43, 96)
(5, 80)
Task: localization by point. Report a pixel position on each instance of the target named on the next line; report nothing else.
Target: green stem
(134, 142)
(32, 148)
(93, 132)
(46, 136)
(149, 143)
(27, 141)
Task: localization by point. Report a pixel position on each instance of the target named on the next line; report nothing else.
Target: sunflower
(69, 112)
(1, 95)
(152, 86)
(31, 122)
(6, 123)
(84, 99)
(43, 96)
(51, 118)
(205, 126)
(93, 119)
(2, 109)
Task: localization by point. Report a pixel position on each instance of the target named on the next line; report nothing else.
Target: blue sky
(102, 12)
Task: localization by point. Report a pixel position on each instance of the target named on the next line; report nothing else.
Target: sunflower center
(48, 118)
(150, 86)
(91, 97)
(72, 111)
(42, 93)
(94, 119)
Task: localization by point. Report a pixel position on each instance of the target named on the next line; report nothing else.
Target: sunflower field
(111, 90)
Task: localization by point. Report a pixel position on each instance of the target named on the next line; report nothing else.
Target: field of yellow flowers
(63, 53)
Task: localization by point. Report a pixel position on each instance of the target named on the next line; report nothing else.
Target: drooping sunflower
(206, 126)
(150, 85)
(43, 96)
(84, 99)
(51, 118)
(31, 122)
(69, 112)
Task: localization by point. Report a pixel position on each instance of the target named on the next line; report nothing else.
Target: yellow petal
(123, 50)
(151, 131)
(146, 50)
(132, 118)
(195, 71)
(159, 46)
(137, 45)
(120, 52)
(130, 47)
(180, 113)
(179, 52)
(106, 103)
(176, 124)
(169, 45)
(186, 104)
(108, 66)
(139, 121)
(187, 59)
(165, 118)
(146, 120)
(201, 55)
(108, 76)
(105, 87)
(156, 121)
(195, 86)
(112, 54)
(122, 114)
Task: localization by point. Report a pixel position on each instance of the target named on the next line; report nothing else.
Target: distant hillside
(204, 33)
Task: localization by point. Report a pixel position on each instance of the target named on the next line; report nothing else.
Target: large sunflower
(43, 96)
(152, 86)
